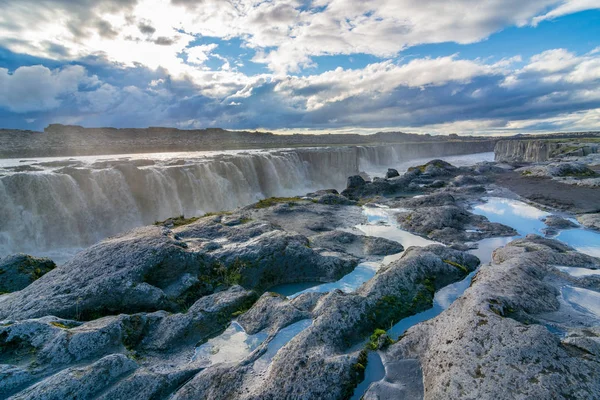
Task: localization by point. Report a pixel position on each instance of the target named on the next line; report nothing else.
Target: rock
(274, 312)
(493, 341)
(49, 344)
(464, 180)
(435, 168)
(355, 181)
(80, 382)
(357, 245)
(451, 224)
(154, 268)
(554, 223)
(19, 270)
(559, 170)
(391, 173)
(591, 221)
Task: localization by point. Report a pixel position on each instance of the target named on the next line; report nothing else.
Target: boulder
(391, 173)
(357, 245)
(19, 270)
(355, 181)
(591, 221)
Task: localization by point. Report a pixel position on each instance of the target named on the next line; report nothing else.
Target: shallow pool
(527, 219)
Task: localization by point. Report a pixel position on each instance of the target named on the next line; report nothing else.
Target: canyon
(337, 272)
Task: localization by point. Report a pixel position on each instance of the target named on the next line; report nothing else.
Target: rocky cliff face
(524, 150)
(544, 150)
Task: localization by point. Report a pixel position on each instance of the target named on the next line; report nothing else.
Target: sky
(435, 66)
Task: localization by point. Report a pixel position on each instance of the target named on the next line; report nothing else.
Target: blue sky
(466, 66)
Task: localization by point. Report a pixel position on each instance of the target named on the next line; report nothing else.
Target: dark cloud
(164, 41)
(146, 28)
(105, 29)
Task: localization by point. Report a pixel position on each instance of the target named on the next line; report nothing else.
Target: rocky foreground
(123, 318)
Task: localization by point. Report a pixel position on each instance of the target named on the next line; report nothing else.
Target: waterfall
(74, 206)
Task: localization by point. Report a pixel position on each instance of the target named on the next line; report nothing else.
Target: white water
(63, 205)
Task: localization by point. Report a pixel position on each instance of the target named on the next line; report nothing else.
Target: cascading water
(49, 207)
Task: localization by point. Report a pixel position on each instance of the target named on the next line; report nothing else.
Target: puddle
(349, 283)
(583, 300)
(486, 247)
(442, 299)
(578, 272)
(526, 219)
(584, 241)
(375, 372)
(281, 339)
(231, 346)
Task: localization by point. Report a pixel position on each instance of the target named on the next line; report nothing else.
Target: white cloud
(38, 88)
(567, 7)
(340, 84)
(199, 54)
(284, 34)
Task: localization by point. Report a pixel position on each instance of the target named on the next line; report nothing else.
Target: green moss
(271, 201)
(35, 268)
(177, 221)
(216, 213)
(357, 374)
(457, 265)
(59, 325)
(373, 343)
(526, 173)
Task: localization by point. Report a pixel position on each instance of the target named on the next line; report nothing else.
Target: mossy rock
(20, 270)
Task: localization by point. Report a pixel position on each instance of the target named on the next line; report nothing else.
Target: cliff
(545, 149)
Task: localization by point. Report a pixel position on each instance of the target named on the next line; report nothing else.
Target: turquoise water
(527, 219)
(375, 372)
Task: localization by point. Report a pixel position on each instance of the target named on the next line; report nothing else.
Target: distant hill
(73, 140)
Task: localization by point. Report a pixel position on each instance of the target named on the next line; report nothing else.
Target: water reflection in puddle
(526, 219)
(349, 283)
(584, 241)
(281, 339)
(578, 272)
(375, 372)
(231, 346)
(583, 300)
(516, 214)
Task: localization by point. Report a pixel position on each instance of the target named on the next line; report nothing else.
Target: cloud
(38, 88)
(567, 7)
(199, 54)
(285, 34)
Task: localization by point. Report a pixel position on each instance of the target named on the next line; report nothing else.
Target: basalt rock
(451, 224)
(319, 362)
(359, 246)
(155, 268)
(493, 342)
(19, 270)
(590, 220)
(391, 173)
